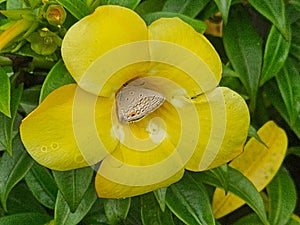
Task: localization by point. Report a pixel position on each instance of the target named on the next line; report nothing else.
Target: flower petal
(95, 35)
(224, 123)
(62, 134)
(147, 147)
(108, 189)
(258, 163)
(174, 30)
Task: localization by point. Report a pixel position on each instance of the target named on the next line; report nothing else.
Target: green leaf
(189, 201)
(288, 80)
(149, 6)
(244, 49)
(190, 8)
(19, 198)
(294, 151)
(134, 214)
(296, 4)
(224, 6)
(62, 213)
(239, 185)
(251, 219)
(96, 215)
(13, 169)
(25, 218)
(273, 10)
(151, 212)
(198, 25)
(160, 195)
(73, 184)
(14, 4)
(274, 96)
(7, 124)
(116, 210)
(4, 93)
(295, 47)
(30, 99)
(295, 220)
(57, 77)
(253, 133)
(222, 174)
(282, 198)
(276, 52)
(77, 8)
(131, 4)
(42, 185)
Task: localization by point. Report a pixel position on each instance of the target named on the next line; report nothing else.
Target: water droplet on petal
(54, 146)
(44, 148)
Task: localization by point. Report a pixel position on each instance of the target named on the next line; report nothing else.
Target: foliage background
(259, 44)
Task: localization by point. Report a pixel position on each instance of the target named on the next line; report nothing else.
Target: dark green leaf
(222, 174)
(189, 201)
(126, 3)
(42, 185)
(198, 25)
(7, 124)
(295, 47)
(30, 99)
(73, 184)
(116, 210)
(13, 169)
(251, 219)
(244, 49)
(224, 6)
(240, 186)
(160, 195)
(149, 6)
(282, 198)
(190, 8)
(276, 52)
(134, 214)
(294, 151)
(228, 72)
(296, 4)
(292, 12)
(210, 10)
(25, 219)
(273, 94)
(151, 212)
(288, 80)
(19, 198)
(274, 10)
(253, 133)
(77, 8)
(63, 215)
(96, 216)
(57, 77)
(4, 93)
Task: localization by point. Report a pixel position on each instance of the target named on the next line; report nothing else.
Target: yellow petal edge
(258, 163)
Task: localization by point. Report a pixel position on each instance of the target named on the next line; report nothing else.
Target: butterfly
(135, 102)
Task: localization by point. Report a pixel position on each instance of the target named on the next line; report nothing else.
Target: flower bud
(55, 15)
(44, 42)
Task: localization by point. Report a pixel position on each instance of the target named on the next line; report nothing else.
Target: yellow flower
(197, 127)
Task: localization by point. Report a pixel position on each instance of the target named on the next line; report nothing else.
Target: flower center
(134, 102)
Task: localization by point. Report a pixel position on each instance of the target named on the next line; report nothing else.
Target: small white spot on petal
(178, 101)
(156, 130)
(118, 132)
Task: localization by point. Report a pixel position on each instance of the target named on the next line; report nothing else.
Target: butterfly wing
(134, 103)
